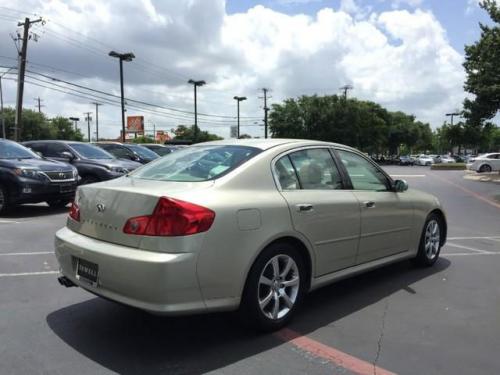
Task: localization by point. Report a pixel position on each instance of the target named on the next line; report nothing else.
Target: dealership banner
(135, 124)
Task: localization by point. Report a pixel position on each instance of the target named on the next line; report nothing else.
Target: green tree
(186, 133)
(482, 66)
(143, 139)
(64, 129)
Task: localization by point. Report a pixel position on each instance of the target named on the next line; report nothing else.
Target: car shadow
(129, 341)
(33, 210)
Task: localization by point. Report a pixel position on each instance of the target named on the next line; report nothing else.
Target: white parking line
(466, 248)
(9, 222)
(28, 273)
(35, 253)
(408, 175)
(465, 254)
(495, 238)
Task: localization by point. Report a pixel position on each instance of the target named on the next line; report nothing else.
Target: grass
(448, 167)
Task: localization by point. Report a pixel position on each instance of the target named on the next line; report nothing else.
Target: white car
(424, 160)
(254, 223)
(446, 159)
(485, 163)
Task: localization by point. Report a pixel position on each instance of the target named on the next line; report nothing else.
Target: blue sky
(459, 18)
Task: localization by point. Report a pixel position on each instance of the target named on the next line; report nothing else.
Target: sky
(404, 54)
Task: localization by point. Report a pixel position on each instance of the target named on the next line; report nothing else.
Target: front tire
(430, 242)
(275, 287)
(485, 168)
(89, 179)
(4, 200)
(59, 203)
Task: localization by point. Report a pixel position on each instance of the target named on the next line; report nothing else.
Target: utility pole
(39, 105)
(88, 118)
(238, 100)
(96, 120)
(196, 84)
(266, 109)
(20, 76)
(345, 89)
(1, 110)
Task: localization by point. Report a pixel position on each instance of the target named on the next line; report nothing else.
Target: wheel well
(440, 214)
(302, 249)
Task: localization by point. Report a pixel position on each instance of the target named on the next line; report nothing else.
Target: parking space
(399, 319)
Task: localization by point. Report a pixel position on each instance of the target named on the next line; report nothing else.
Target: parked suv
(93, 163)
(129, 151)
(25, 177)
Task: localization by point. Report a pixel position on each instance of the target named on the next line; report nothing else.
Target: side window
(54, 150)
(38, 147)
(364, 175)
(120, 151)
(286, 174)
(316, 169)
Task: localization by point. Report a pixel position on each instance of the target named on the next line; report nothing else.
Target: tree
(245, 136)
(482, 66)
(143, 139)
(361, 124)
(64, 129)
(185, 133)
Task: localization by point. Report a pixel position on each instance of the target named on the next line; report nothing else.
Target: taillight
(171, 217)
(74, 212)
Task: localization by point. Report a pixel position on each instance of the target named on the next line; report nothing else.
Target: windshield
(162, 151)
(11, 150)
(90, 151)
(197, 163)
(143, 151)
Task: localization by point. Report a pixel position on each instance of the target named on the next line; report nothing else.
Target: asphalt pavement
(398, 319)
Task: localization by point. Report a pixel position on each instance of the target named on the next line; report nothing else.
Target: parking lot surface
(398, 319)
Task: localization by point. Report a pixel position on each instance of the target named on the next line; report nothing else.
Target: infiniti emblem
(100, 207)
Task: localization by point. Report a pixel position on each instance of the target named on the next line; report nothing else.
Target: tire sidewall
(421, 258)
(5, 207)
(250, 304)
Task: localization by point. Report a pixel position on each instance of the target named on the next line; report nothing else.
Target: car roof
(265, 144)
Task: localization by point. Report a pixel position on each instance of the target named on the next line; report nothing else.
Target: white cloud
(396, 4)
(401, 59)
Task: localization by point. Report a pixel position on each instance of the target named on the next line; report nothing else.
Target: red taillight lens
(171, 217)
(74, 212)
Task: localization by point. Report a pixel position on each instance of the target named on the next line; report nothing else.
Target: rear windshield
(143, 151)
(196, 163)
(91, 151)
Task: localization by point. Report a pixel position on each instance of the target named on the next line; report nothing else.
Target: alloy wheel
(278, 287)
(432, 239)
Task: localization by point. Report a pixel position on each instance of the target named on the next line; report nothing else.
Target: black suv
(129, 151)
(93, 163)
(25, 177)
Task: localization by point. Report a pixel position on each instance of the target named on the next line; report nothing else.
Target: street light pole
(451, 115)
(75, 122)
(129, 56)
(196, 84)
(238, 100)
(97, 104)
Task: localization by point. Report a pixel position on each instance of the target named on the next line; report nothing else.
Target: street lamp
(75, 122)
(238, 100)
(451, 115)
(129, 56)
(195, 85)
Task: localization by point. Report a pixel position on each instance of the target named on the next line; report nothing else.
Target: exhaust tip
(64, 281)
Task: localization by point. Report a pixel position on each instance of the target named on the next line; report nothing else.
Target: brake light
(171, 217)
(74, 212)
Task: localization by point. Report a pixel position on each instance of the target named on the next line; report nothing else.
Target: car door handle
(305, 207)
(369, 204)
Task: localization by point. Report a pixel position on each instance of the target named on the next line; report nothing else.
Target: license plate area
(87, 271)
(67, 188)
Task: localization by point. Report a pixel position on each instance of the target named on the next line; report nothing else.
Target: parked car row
(50, 170)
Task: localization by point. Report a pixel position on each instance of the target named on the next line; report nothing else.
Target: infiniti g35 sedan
(251, 224)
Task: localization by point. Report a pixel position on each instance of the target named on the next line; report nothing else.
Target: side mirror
(67, 155)
(400, 186)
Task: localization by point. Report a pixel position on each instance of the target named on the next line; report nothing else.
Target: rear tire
(275, 287)
(430, 242)
(4, 200)
(485, 168)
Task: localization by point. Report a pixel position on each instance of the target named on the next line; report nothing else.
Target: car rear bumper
(162, 283)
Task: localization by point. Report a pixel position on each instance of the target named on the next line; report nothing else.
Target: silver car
(243, 223)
